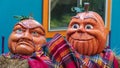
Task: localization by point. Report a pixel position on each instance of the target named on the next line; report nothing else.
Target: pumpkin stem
(86, 6)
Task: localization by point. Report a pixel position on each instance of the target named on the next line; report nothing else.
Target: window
(57, 13)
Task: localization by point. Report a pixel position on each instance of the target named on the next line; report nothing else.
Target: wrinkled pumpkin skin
(27, 37)
(86, 33)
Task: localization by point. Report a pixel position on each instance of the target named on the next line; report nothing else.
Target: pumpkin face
(86, 33)
(27, 37)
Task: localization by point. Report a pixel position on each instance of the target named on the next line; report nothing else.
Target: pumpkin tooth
(86, 46)
(95, 46)
(75, 44)
(90, 50)
(80, 47)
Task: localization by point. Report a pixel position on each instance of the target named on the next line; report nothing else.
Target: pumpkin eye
(89, 26)
(75, 26)
(19, 30)
(35, 33)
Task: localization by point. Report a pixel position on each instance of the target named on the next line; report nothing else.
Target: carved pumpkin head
(86, 33)
(27, 37)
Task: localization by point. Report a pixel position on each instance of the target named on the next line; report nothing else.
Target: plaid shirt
(65, 56)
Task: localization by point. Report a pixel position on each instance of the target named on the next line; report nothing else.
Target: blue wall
(25, 7)
(115, 26)
(9, 8)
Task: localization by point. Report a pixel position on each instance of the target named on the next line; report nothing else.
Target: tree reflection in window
(61, 11)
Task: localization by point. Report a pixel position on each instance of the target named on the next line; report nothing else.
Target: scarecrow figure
(85, 44)
(25, 42)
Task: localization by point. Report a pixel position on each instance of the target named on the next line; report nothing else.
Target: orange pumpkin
(27, 37)
(86, 33)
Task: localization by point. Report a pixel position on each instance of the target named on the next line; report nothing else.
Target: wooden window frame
(45, 20)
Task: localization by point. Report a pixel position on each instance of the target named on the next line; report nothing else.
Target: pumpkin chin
(88, 47)
(24, 50)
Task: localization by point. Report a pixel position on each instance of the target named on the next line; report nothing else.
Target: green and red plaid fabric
(65, 56)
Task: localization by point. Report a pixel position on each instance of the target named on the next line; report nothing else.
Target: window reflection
(62, 10)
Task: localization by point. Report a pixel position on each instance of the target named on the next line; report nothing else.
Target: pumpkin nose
(81, 29)
(27, 35)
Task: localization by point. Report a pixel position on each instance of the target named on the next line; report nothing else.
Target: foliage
(64, 21)
(62, 12)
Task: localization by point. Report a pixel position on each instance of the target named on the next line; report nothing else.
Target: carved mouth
(82, 36)
(84, 46)
(82, 39)
(25, 42)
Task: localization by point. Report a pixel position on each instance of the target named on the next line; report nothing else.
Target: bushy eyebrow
(42, 31)
(77, 17)
(19, 25)
(90, 18)
(31, 28)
